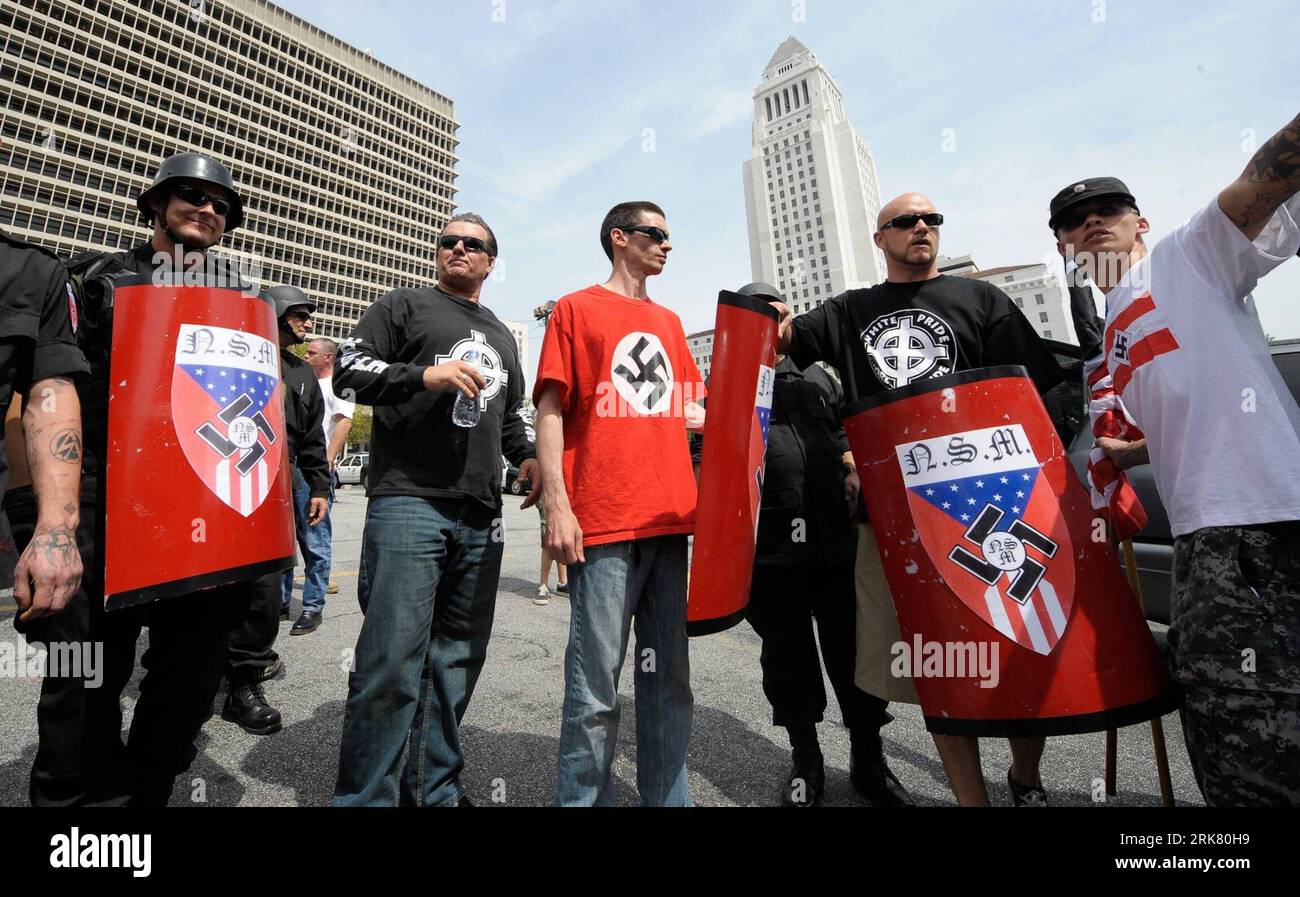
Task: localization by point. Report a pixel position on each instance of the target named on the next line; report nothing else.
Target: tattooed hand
(48, 573)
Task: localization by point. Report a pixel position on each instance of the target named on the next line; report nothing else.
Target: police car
(352, 470)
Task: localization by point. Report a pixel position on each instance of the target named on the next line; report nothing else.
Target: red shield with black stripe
(986, 539)
(196, 485)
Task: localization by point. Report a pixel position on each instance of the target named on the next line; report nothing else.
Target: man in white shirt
(316, 543)
(1186, 357)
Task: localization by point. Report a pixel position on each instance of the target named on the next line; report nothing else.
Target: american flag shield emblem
(228, 411)
(994, 530)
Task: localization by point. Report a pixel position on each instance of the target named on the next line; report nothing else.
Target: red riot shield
(1015, 614)
(731, 467)
(196, 484)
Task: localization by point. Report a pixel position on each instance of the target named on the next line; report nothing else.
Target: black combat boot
(871, 776)
(246, 705)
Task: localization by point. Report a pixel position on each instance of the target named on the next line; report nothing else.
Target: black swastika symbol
(648, 372)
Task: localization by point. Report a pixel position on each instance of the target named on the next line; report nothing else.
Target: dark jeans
(428, 588)
(80, 758)
(252, 638)
(783, 602)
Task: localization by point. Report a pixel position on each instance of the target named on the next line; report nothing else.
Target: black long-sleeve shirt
(304, 414)
(416, 449)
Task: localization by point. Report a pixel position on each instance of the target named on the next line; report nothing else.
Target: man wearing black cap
(80, 759)
(252, 658)
(918, 325)
(1185, 356)
(803, 570)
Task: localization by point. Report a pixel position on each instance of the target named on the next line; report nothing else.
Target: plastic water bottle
(466, 411)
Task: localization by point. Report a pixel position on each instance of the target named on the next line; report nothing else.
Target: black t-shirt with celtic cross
(897, 334)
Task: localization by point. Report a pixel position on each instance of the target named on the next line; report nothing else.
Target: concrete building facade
(347, 166)
(1037, 292)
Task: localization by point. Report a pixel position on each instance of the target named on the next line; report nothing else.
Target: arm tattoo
(66, 446)
(1275, 171)
(57, 545)
(1279, 158)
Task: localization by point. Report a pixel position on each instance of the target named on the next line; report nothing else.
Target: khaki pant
(877, 626)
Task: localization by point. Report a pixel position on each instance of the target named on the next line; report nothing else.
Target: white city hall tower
(810, 185)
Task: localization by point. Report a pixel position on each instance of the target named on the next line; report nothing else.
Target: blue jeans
(316, 545)
(428, 587)
(639, 584)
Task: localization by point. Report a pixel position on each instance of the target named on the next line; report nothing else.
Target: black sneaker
(806, 783)
(246, 705)
(872, 778)
(308, 622)
(1026, 795)
(562, 588)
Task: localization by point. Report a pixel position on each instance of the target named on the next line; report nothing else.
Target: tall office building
(810, 185)
(346, 165)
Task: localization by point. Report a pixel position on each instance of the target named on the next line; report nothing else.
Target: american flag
(1132, 340)
(1022, 604)
(233, 425)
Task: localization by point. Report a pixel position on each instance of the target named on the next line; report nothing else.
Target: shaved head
(911, 253)
(901, 205)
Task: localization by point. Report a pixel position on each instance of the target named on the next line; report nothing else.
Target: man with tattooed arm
(1185, 358)
(39, 359)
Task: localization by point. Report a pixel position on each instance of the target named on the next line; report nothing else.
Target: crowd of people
(1181, 341)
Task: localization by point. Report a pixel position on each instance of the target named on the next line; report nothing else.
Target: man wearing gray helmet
(81, 759)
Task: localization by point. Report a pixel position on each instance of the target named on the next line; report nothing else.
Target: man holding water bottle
(443, 375)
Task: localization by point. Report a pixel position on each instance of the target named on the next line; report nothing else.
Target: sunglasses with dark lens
(658, 234)
(907, 222)
(1076, 217)
(192, 195)
(472, 244)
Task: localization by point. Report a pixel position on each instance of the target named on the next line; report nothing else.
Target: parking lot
(511, 730)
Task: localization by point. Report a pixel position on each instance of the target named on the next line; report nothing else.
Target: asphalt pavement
(511, 729)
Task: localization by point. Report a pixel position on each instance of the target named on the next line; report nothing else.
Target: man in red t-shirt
(616, 391)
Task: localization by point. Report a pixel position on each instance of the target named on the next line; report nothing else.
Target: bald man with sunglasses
(917, 325)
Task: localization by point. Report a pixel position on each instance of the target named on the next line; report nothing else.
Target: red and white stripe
(243, 493)
(1039, 623)
(1107, 380)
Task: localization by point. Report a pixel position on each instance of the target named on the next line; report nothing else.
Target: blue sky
(558, 101)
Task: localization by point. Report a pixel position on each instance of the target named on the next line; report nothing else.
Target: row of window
(167, 115)
(783, 96)
(234, 92)
(160, 21)
(276, 188)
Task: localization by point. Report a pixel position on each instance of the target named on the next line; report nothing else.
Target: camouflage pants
(1235, 645)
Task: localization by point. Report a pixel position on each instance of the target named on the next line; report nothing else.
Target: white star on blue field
(220, 383)
(964, 498)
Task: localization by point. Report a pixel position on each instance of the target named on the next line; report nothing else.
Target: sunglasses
(196, 197)
(472, 244)
(907, 222)
(658, 234)
(1076, 217)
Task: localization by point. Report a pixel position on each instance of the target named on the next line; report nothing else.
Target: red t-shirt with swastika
(624, 375)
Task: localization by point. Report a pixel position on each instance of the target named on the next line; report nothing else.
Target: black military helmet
(287, 298)
(195, 167)
(761, 290)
